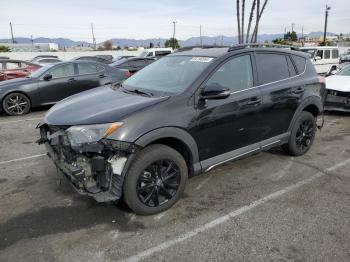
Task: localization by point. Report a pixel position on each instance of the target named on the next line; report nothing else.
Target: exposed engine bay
(96, 169)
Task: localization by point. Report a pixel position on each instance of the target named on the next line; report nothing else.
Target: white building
(35, 47)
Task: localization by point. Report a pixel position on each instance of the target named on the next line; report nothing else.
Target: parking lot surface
(269, 207)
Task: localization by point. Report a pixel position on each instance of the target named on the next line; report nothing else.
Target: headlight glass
(91, 133)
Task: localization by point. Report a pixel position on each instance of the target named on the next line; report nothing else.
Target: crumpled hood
(97, 106)
(338, 83)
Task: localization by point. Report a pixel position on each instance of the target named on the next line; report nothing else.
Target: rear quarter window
(300, 63)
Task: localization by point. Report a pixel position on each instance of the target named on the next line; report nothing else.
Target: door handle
(298, 90)
(102, 76)
(254, 102)
(71, 79)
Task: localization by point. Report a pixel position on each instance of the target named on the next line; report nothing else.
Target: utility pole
(174, 22)
(31, 39)
(222, 40)
(13, 40)
(200, 35)
(93, 36)
(293, 27)
(326, 24)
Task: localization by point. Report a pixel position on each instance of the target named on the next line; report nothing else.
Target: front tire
(156, 180)
(302, 135)
(16, 104)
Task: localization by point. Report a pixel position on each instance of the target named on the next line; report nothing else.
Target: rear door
(281, 91)
(232, 123)
(90, 75)
(63, 83)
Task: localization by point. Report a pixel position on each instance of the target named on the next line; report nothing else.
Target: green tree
(291, 36)
(279, 41)
(172, 42)
(4, 48)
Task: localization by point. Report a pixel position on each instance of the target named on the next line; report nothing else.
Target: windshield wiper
(139, 92)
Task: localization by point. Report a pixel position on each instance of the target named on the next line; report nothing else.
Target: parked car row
(53, 83)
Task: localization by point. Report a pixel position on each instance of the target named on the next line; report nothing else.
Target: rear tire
(16, 104)
(302, 135)
(156, 180)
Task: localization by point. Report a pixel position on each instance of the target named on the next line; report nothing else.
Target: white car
(156, 52)
(338, 91)
(324, 58)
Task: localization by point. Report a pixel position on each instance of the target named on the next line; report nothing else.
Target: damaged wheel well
(180, 147)
(312, 109)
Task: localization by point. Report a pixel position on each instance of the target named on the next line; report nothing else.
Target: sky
(140, 19)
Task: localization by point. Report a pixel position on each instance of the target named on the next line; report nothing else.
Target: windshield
(345, 71)
(144, 54)
(169, 75)
(40, 71)
(310, 51)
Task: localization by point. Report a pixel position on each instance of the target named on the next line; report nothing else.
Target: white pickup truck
(324, 58)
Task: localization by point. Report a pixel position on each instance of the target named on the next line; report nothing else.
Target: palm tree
(259, 13)
(238, 22)
(250, 20)
(243, 14)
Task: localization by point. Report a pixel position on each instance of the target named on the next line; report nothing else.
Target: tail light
(321, 79)
(127, 74)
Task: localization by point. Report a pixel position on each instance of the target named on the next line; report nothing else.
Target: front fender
(170, 132)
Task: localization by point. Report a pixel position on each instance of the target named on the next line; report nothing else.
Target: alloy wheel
(16, 104)
(304, 134)
(158, 183)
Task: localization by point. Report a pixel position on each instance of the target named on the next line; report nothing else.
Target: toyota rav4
(180, 116)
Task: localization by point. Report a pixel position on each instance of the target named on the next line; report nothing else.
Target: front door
(60, 86)
(232, 123)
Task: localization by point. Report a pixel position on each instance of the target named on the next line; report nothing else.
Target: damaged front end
(337, 101)
(94, 164)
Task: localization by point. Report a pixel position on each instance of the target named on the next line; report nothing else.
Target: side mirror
(215, 91)
(318, 58)
(47, 77)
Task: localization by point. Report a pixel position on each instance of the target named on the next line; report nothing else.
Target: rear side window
(87, 68)
(327, 54)
(335, 54)
(300, 63)
(162, 53)
(272, 67)
(13, 65)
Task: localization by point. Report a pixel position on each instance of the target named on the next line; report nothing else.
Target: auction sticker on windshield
(201, 59)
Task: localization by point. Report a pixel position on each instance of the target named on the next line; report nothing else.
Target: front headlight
(91, 133)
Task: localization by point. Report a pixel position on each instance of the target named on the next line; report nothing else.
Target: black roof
(209, 52)
(220, 51)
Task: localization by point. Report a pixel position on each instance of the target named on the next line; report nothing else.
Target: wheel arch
(176, 138)
(312, 105)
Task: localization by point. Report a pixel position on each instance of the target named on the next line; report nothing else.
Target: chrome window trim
(274, 82)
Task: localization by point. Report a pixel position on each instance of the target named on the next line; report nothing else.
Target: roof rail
(263, 45)
(187, 48)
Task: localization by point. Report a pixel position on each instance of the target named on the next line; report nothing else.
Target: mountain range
(206, 40)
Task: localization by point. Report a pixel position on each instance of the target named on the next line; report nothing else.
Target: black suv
(182, 115)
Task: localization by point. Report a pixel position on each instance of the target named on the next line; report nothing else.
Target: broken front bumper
(337, 101)
(99, 173)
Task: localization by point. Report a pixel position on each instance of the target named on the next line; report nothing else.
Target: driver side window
(236, 74)
(62, 71)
